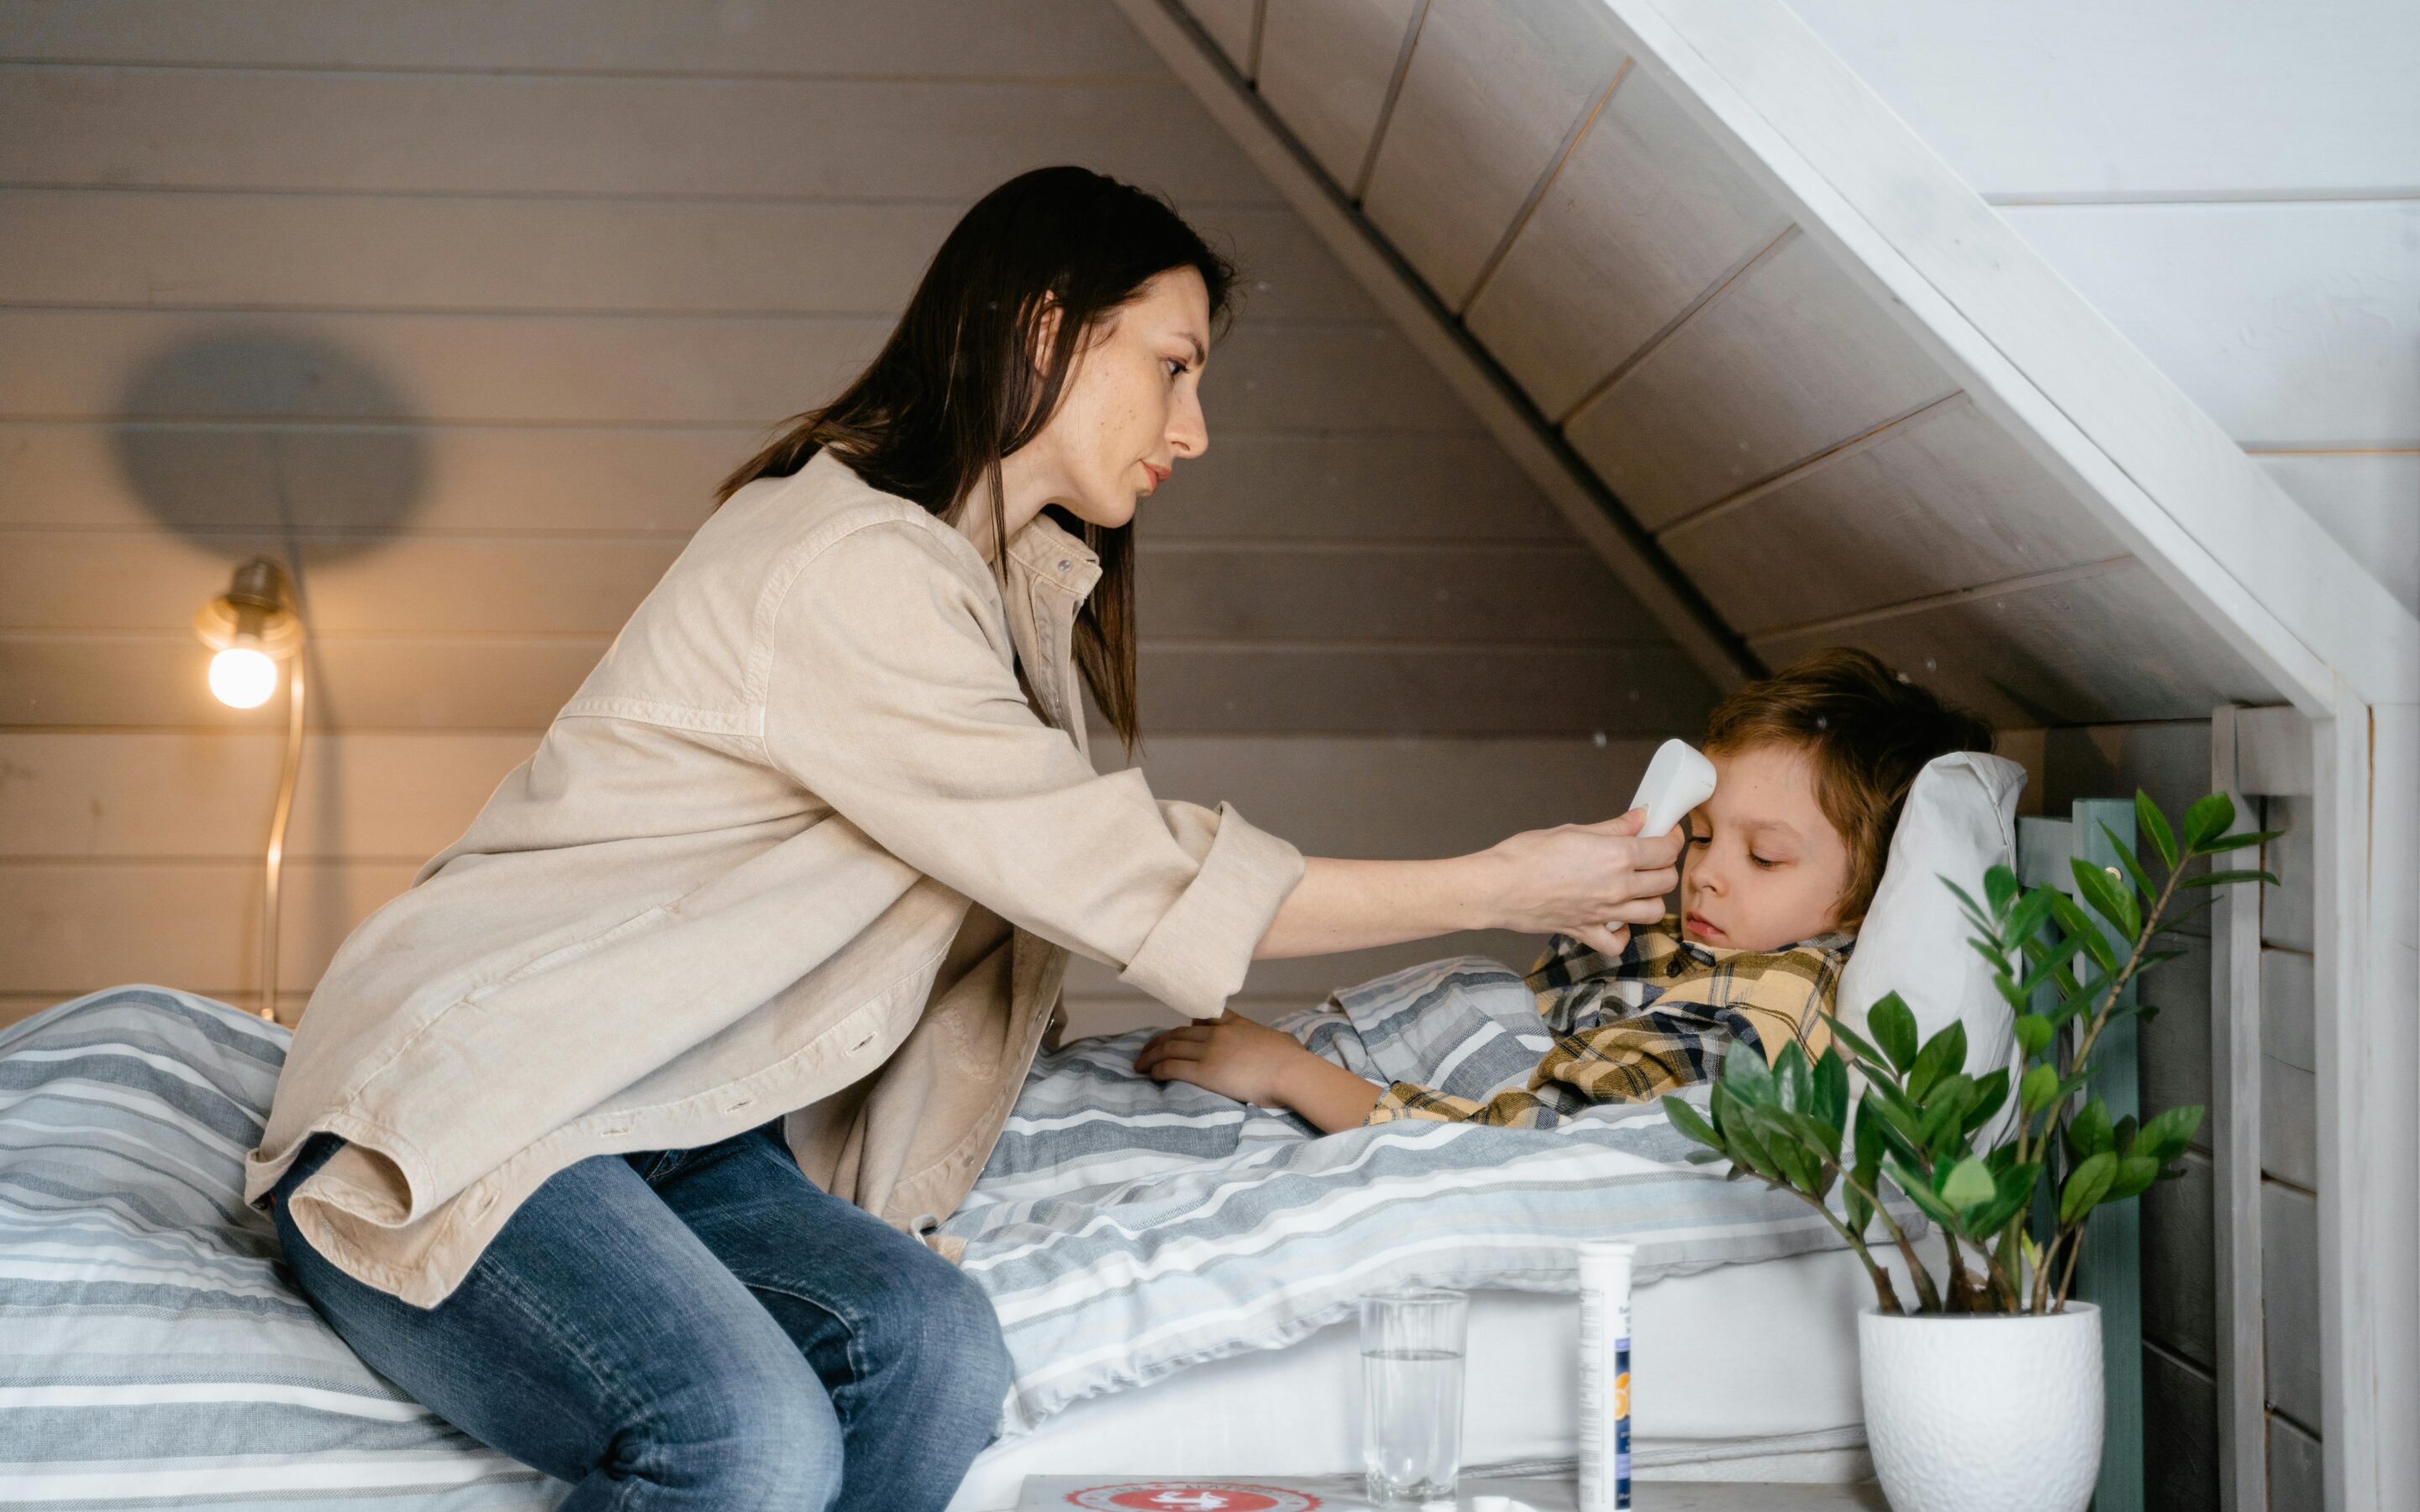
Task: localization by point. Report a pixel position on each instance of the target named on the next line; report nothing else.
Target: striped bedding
(1126, 1229)
(151, 1352)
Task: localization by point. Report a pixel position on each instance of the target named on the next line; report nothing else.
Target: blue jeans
(693, 1329)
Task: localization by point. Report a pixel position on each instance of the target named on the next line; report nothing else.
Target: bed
(1171, 1269)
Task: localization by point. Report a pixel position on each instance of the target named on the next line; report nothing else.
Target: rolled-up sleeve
(889, 695)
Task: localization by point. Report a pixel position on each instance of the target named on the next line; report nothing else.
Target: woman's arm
(1575, 879)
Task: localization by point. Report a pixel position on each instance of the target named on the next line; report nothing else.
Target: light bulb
(243, 677)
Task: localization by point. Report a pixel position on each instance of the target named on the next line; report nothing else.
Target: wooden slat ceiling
(1793, 450)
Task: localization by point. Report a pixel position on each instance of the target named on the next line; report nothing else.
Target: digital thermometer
(1677, 781)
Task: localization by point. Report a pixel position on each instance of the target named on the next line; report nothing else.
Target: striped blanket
(1125, 1228)
(150, 1349)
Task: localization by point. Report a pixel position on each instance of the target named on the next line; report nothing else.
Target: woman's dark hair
(954, 389)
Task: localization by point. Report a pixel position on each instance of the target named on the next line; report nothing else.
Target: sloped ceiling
(1778, 436)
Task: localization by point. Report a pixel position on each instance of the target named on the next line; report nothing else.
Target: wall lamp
(255, 625)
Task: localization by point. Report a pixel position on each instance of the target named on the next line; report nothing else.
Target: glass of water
(1411, 1393)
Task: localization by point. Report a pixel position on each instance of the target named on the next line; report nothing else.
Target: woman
(620, 1138)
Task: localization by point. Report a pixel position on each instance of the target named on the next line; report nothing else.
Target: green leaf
(1942, 1053)
(1858, 1044)
(2135, 872)
(1990, 1093)
(2229, 879)
(2027, 919)
(1746, 1077)
(1945, 1111)
(2086, 1186)
(1920, 1193)
(2097, 890)
(2148, 819)
(1893, 1027)
(1689, 1121)
(2207, 819)
(2169, 1134)
(1790, 1082)
(1855, 1211)
(2039, 1089)
(1969, 1183)
(1871, 1141)
(2046, 967)
(2237, 841)
(1967, 901)
(2088, 1133)
(1831, 1101)
(2015, 1185)
(2000, 887)
(2033, 1034)
(2134, 1176)
(2075, 922)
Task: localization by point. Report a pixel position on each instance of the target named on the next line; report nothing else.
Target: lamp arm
(275, 855)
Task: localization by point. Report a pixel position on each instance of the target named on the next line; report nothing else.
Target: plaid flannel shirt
(1657, 1018)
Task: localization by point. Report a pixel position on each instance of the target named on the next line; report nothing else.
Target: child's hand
(1234, 1057)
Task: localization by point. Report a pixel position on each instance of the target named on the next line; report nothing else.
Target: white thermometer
(1677, 781)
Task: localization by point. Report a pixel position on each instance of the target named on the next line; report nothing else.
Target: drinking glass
(1411, 1393)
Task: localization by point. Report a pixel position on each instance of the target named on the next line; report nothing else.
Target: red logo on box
(1191, 1496)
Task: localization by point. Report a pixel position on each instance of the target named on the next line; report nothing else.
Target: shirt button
(1065, 566)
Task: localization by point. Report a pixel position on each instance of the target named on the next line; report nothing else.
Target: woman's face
(1133, 403)
(1763, 867)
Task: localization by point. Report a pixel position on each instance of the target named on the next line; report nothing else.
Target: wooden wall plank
(1789, 360)
(405, 584)
(206, 795)
(2180, 1453)
(2369, 501)
(1541, 690)
(2297, 1479)
(586, 370)
(2290, 1244)
(2180, 1299)
(1051, 39)
(1262, 485)
(2174, 1049)
(2290, 1119)
(1492, 95)
(2037, 655)
(1941, 501)
(2288, 910)
(1648, 214)
(2155, 99)
(1231, 25)
(70, 927)
(1326, 68)
(134, 679)
(162, 680)
(694, 138)
(449, 255)
(1548, 595)
(2295, 326)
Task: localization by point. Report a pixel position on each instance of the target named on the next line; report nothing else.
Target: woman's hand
(1587, 880)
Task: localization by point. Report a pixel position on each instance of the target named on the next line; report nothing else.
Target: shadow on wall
(238, 433)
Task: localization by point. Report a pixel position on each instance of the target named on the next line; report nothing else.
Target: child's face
(1763, 867)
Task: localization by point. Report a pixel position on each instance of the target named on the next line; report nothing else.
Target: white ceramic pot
(1984, 1414)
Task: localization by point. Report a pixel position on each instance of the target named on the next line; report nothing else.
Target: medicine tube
(1605, 1375)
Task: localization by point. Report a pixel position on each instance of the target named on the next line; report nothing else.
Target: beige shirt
(799, 845)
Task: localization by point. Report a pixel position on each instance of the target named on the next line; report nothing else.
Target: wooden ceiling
(1777, 425)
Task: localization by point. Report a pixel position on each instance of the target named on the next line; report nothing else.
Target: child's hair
(1869, 731)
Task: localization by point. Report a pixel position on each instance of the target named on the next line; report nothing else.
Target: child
(1812, 767)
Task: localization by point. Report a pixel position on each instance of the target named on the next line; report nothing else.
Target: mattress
(1742, 1372)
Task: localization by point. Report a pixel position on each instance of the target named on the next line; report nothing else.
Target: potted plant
(1994, 1340)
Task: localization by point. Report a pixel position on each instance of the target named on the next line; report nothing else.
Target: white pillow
(1960, 820)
